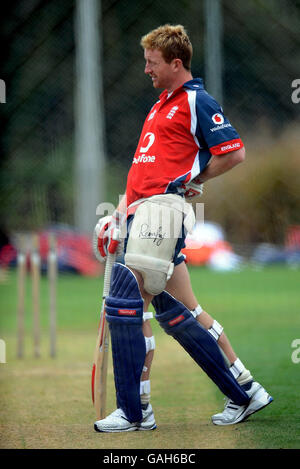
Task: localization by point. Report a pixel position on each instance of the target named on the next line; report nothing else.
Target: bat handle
(107, 273)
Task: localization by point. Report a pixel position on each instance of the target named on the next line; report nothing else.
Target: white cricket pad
(153, 236)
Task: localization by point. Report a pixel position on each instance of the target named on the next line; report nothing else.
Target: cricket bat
(99, 371)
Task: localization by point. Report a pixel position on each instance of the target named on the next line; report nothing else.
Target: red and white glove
(193, 189)
(106, 237)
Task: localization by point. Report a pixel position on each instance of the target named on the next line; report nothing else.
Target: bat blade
(99, 375)
(99, 370)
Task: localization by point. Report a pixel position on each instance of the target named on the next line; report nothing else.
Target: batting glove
(106, 237)
(193, 189)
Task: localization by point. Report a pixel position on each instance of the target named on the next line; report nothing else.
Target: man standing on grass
(186, 140)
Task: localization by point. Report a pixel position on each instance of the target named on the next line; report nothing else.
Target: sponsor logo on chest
(172, 112)
(147, 143)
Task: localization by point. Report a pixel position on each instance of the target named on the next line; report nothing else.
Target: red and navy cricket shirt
(180, 134)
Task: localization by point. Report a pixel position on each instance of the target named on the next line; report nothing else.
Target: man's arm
(220, 164)
(122, 207)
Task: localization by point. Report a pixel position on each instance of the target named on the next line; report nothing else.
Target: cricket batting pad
(154, 232)
(124, 314)
(178, 322)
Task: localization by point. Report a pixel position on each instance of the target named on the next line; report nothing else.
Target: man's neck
(183, 78)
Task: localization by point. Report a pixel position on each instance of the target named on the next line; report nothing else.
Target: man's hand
(193, 189)
(106, 237)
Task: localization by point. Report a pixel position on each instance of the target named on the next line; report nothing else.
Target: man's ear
(176, 64)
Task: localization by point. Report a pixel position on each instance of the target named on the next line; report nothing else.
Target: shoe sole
(153, 427)
(129, 429)
(246, 414)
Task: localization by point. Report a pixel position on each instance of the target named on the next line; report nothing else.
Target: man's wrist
(199, 179)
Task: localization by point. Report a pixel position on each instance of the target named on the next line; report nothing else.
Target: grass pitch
(46, 403)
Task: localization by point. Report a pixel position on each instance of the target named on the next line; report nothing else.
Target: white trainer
(234, 413)
(118, 422)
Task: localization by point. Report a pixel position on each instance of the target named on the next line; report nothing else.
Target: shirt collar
(194, 84)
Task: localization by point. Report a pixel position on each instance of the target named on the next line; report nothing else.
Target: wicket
(31, 243)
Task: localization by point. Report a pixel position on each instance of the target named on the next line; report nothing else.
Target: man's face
(158, 69)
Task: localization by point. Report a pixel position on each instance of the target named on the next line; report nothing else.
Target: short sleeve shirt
(180, 134)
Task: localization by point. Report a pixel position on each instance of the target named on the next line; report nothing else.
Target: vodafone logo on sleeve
(218, 119)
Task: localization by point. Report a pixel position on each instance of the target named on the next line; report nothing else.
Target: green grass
(46, 403)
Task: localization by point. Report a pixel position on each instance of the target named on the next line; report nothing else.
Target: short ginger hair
(172, 41)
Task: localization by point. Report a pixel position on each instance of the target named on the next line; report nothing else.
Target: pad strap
(147, 315)
(237, 368)
(150, 343)
(197, 311)
(216, 330)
